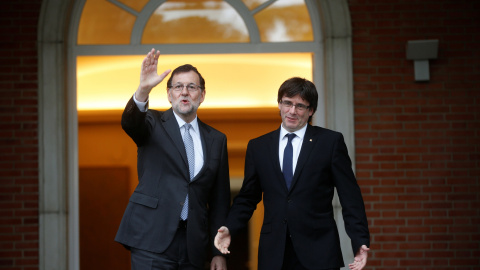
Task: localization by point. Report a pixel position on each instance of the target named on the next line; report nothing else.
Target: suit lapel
(171, 126)
(307, 146)
(273, 145)
(207, 141)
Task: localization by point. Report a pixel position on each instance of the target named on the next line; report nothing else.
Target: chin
(292, 126)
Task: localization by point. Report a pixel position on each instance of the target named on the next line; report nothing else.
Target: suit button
(285, 220)
(182, 203)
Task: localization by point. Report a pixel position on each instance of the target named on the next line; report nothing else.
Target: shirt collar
(300, 133)
(181, 122)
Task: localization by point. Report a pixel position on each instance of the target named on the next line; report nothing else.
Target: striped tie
(188, 141)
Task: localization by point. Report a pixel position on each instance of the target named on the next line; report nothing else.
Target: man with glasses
(183, 193)
(296, 169)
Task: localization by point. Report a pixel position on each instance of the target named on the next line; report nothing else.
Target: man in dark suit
(183, 194)
(296, 168)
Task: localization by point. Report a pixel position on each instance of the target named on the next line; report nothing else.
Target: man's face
(184, 102)
(294, 118)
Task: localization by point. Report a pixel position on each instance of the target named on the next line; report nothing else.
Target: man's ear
(169, 96)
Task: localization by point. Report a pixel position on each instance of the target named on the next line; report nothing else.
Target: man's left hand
(360, 259)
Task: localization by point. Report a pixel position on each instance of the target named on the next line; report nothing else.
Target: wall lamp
(420, 51)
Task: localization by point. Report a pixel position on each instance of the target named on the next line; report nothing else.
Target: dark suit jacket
(153, 212)
(306, 208)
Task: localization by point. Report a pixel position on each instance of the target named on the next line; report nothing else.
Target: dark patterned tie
(188, 141)
(288, 160)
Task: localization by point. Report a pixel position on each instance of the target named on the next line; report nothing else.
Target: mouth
(290, 119)
(185, 101)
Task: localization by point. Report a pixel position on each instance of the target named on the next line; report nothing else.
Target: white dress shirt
(296, 144)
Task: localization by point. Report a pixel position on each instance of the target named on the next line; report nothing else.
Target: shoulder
(160, 116)
(325, 132)
(156, 113)
(210, 130)
(267, 138)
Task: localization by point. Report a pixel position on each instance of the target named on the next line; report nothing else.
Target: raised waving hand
(149, 76)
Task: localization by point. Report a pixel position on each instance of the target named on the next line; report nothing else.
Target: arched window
(244, 49)
(201, 21)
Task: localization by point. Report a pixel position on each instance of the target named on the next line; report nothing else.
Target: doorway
(58, 130)
(103, 196)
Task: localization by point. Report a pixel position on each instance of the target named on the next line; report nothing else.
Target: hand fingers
(165, 73)
(151, 57)
(222, 249)
(357, 265)
(148, 58)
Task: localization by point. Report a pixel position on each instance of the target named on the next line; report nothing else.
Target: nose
(184, 91)
(292, 110)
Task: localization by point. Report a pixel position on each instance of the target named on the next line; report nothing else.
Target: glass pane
(195, 22)
(252, 4)
(104, 23)
(232, 80)
(135, 4)
(285, 21)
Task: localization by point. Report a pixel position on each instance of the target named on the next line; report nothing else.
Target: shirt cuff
(142, 106)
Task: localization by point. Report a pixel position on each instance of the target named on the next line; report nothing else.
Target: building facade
(416, 144)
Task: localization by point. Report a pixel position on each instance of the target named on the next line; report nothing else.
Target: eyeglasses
(190, 87)
(299, 107)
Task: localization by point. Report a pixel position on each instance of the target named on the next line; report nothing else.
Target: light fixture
(420, 51)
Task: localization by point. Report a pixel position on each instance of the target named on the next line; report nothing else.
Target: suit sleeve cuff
(142, 106)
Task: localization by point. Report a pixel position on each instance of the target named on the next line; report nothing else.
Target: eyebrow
(296, 103)
(185, 83)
